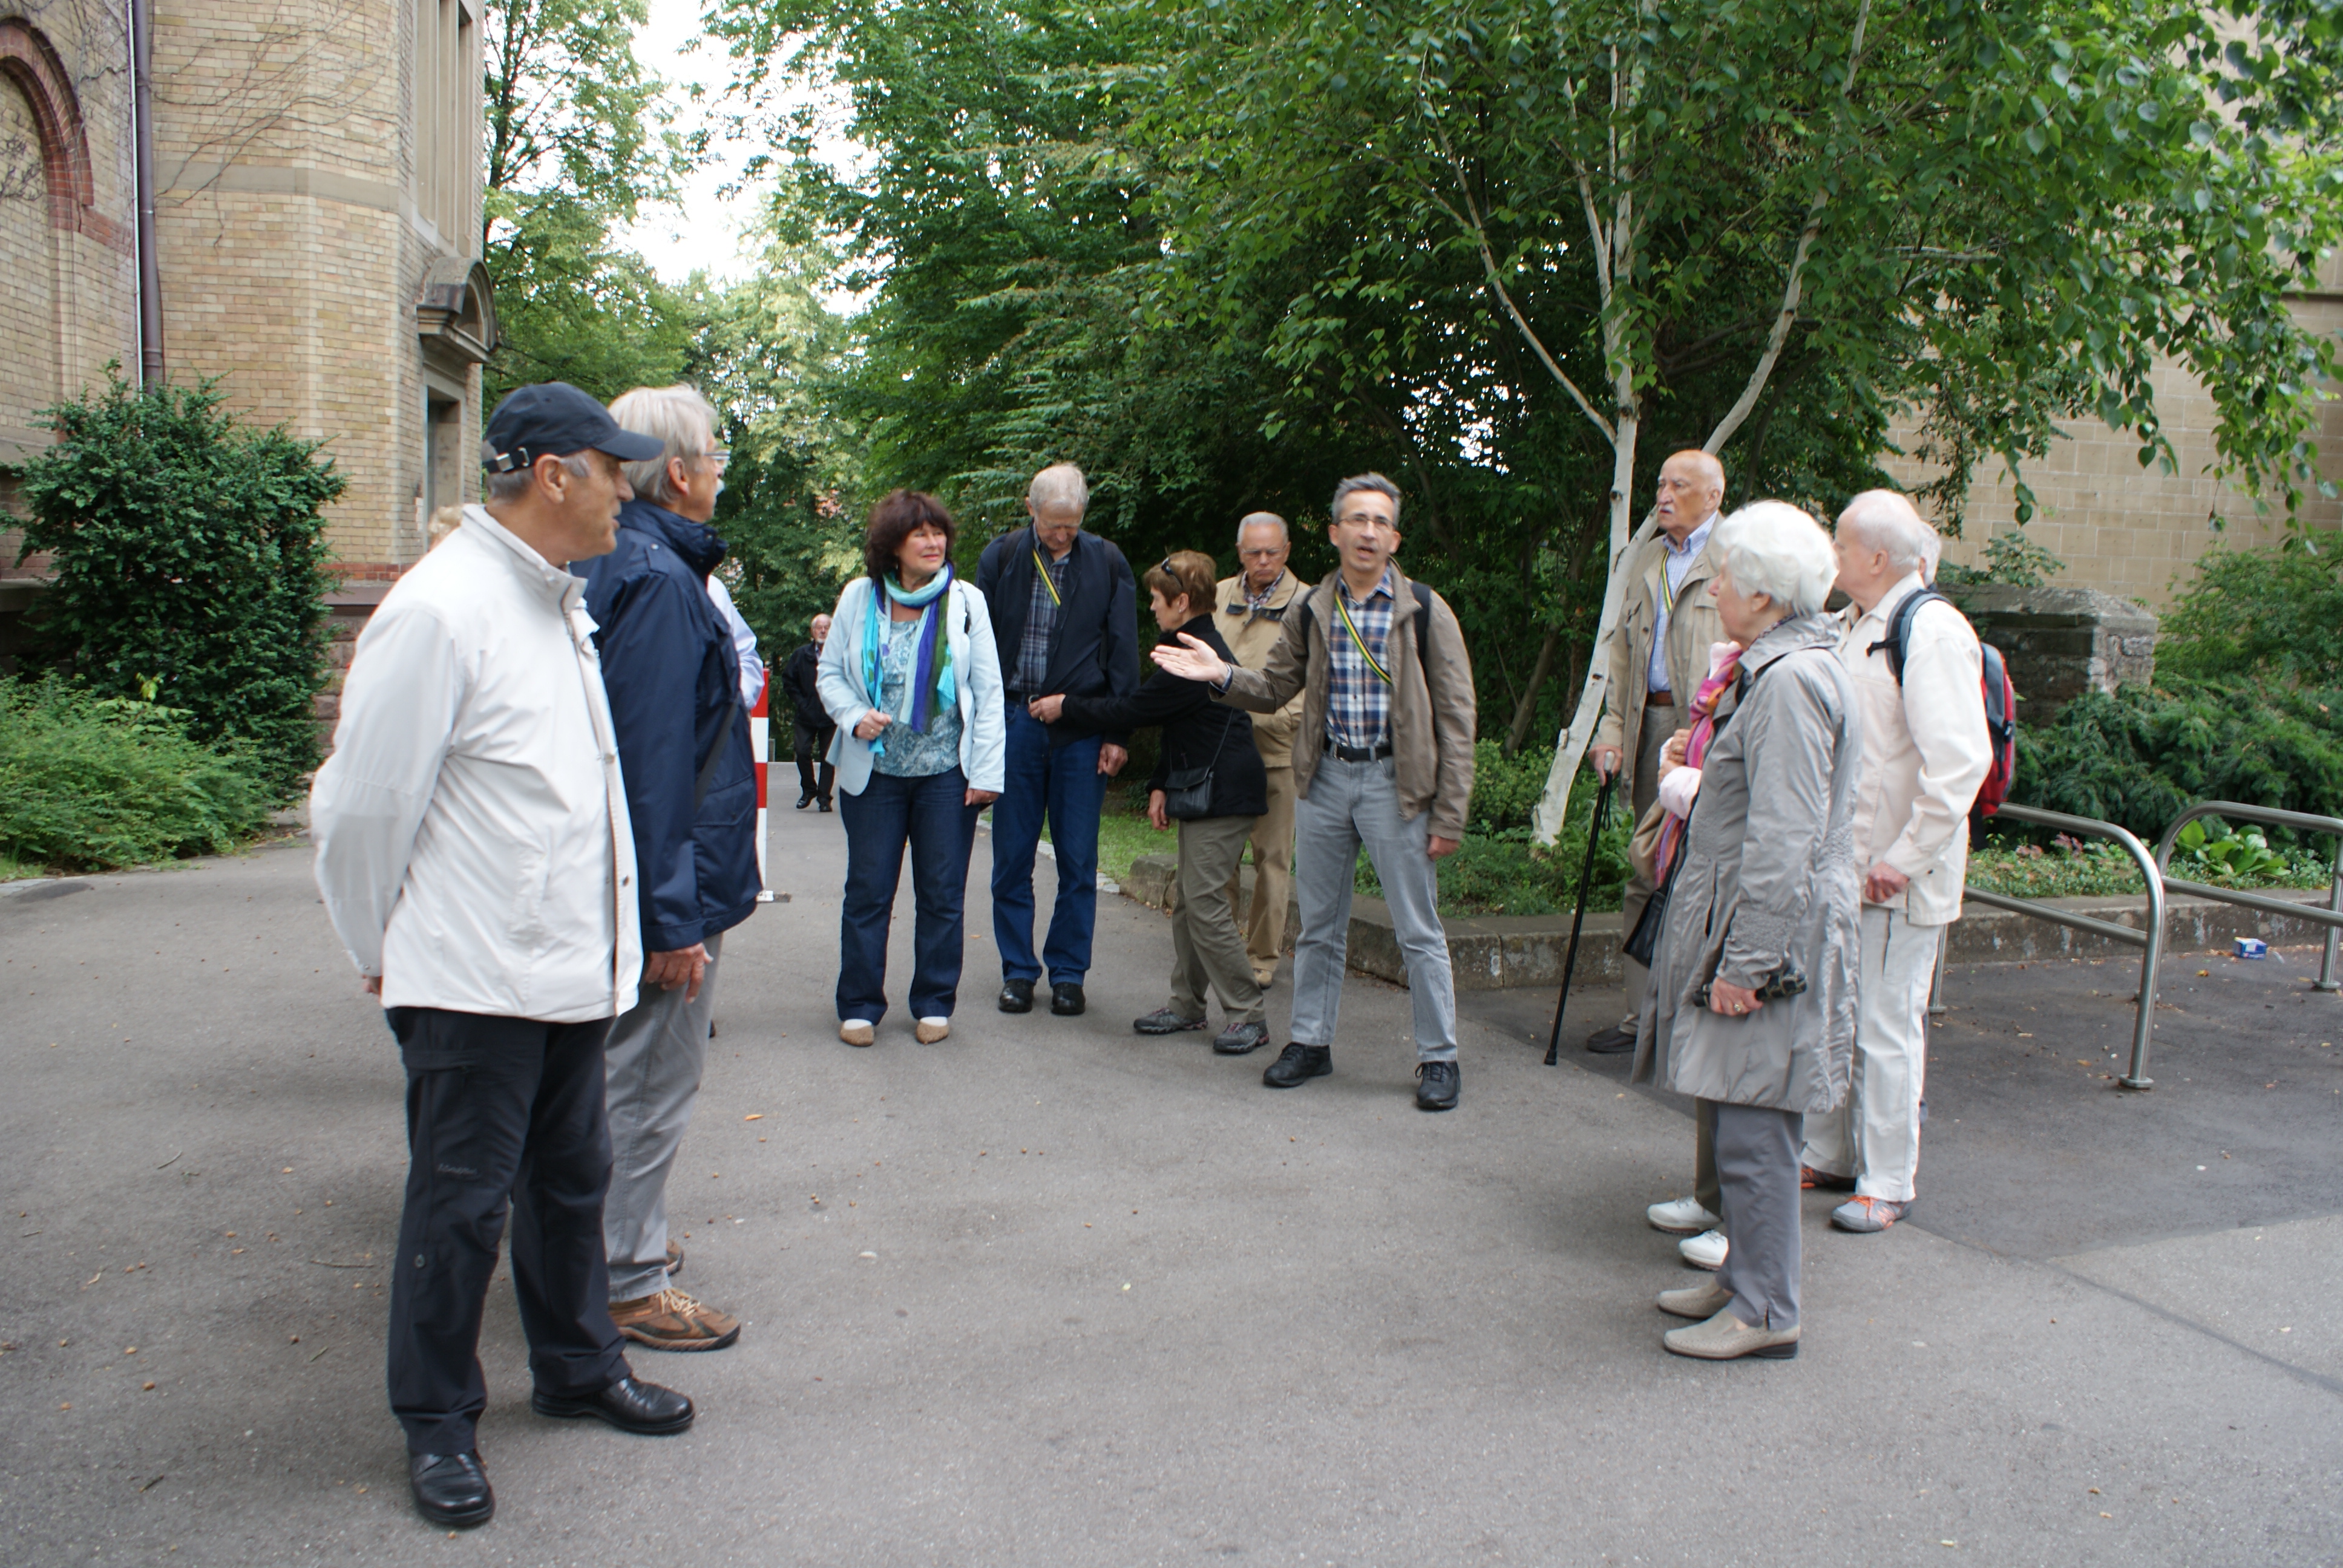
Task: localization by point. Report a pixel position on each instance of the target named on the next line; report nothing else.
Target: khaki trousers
(1659, 725)
(1207, 953)
(1273, 877)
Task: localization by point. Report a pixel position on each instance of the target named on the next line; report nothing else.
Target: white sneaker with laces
(1706, 1250)
(1680, 1217)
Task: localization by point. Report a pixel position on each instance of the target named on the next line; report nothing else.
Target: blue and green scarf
(931, 685)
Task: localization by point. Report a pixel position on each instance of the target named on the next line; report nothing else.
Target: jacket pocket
(532, 872)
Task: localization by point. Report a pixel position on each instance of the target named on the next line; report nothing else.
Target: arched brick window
(33, 68)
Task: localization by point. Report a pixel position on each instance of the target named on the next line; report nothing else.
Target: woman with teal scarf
(910, 677)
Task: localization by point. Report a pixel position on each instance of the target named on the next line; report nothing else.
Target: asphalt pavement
(1053, 1293)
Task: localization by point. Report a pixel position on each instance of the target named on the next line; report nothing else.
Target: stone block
(2061, 642)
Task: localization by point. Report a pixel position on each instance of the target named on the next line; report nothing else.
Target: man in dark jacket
(1064, 617)
(814, 729)
(674, 682)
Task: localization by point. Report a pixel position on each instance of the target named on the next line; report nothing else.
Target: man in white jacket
(1925, 752)
(475, 856)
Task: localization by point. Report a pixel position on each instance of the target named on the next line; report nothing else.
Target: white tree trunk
(1553, 807)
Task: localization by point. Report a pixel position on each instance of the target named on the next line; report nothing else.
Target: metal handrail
(2332, 916)
(2150, 941)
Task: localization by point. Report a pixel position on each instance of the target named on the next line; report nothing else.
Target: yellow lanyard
(1348, 625)
(1046, 583)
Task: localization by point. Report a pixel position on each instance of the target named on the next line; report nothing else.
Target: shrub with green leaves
(90, 783)
(188, 559)
(2140, 756)
(2269, 615)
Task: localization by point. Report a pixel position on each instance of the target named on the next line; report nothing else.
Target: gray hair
(1262, 520)
(677, 415)
(1060, 485)
(1886, 520)
(1357, 482)
(513, 483)
(1773, 549)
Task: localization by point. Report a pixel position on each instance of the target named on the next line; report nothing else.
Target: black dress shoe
(1616, 1040)
(1436, 1083)
(1299, 1063)
(822, 806)
(804, 802)
(630, 1404)
(451, 1489)
(1017, 996)
(1066, 1000)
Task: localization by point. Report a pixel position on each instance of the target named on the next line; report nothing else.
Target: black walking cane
(1578, 916)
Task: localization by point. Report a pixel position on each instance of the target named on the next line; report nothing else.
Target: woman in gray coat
(1752, 1005)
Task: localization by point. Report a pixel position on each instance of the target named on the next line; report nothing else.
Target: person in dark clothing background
(1208, 951)
(813, 722)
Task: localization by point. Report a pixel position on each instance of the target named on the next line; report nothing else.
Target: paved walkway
(1049, 1293)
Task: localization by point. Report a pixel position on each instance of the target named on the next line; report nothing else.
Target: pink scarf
(1724, 667)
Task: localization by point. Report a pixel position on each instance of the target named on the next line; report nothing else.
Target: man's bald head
(1690, 491)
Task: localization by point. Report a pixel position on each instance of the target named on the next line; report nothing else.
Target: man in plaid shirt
(1383, 758)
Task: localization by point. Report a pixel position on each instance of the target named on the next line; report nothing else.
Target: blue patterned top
(909, 754)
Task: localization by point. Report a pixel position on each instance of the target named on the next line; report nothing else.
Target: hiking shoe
(1699, 1301)
(670, 1321)
(1240, 1039)
(1726, 1338)
(1810, 1179)
(1297, 1064)
(1436, 1083)
(1163, 1021)
(1867, 1216)
(1682, 1217)
(858, 1031)
(1706, 1250)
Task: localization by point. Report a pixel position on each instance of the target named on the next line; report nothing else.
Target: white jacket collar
(559, 584)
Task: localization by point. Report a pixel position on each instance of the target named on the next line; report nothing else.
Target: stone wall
(2061, 642)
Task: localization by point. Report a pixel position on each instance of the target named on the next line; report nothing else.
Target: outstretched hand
(1195, 661)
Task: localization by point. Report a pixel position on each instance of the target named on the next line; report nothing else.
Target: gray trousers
(1642, 793)
(1351, 804)
(1208, 951)
(657, 1050)
(1757, 1178)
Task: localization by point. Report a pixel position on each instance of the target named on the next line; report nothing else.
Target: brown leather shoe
(671, 1320)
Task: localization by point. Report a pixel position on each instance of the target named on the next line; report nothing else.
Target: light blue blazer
(976, 671)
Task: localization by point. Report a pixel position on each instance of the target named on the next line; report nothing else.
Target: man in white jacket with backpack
(1925, 751)
(475, 855)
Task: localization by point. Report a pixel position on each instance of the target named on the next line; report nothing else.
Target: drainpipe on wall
(150, 272)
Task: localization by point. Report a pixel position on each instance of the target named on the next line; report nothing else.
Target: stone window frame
(32, 66)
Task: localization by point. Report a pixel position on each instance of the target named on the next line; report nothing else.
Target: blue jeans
(1065, 782)
(928, 814)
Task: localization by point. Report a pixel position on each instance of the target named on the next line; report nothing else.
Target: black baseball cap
(554, 419)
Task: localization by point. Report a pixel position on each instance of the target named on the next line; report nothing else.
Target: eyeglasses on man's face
(1366, 519)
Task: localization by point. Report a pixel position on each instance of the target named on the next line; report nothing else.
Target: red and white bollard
(759, 743)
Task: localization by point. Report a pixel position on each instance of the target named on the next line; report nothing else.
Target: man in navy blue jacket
(674, 682)
(1065, 618)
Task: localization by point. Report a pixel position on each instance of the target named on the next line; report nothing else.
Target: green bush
(1506, 789)
(1501, 872)
(2269, 615)
(189, 556)
(89, 783)
(2139, 756)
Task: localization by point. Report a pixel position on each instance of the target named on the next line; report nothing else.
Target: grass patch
(2068, 869)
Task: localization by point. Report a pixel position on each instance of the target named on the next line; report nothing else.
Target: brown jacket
(1251, 637)
(1693, 626)
(1432, 701)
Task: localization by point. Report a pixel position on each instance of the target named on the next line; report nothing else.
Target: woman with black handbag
(1209, 779)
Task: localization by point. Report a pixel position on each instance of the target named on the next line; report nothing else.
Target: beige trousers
(1273, 879)
(1644, 789)
(1207, 953)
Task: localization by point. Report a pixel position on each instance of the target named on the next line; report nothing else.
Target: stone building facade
(319, 220)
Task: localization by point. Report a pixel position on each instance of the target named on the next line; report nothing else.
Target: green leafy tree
(188, 558)
(577, 138)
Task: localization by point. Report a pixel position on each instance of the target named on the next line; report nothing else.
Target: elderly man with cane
(475, 856)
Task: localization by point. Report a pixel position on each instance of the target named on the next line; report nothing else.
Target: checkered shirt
(1358, 702)
(1041, 626)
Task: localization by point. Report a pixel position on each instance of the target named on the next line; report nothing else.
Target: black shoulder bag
(1188, 791)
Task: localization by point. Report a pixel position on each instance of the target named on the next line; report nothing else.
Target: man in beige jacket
(1659, 657)
(1250, 612)
(1926, 750)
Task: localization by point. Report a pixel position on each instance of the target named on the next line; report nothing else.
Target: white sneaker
(1706, 1250)
(1682, 1217)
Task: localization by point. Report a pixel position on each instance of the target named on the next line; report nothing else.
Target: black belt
(1363, 753)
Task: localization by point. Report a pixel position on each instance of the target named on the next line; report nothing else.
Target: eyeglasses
(1366, 519)
(719, 456)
